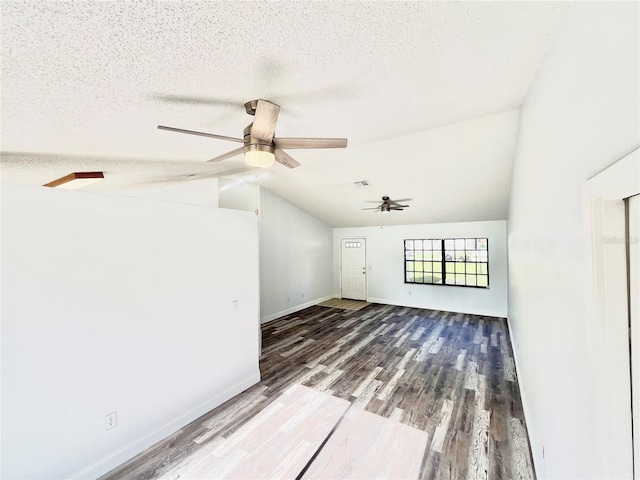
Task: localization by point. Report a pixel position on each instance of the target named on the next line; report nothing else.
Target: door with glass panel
(353, 269)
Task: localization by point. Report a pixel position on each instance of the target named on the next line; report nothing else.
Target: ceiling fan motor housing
(249, 140)
(251, 107)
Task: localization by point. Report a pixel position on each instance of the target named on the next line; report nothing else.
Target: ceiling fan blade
(202, 134)
(395, 208)
(264, 124)
(294, 143)
(221, 173)
(224, 156)
(195, 100)
(372, 208)
(397, 202)
(285, 159)
(167, 180)
(394, 205)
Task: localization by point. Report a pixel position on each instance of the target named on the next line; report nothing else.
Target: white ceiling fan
(261, 148)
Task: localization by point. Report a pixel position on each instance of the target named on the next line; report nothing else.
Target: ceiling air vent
(362, 183)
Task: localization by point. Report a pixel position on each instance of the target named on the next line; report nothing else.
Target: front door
(353, 267)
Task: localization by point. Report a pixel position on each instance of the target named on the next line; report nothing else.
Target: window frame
(443, 261)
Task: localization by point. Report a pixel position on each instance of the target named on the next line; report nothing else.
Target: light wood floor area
(345, 304)
(450, 375)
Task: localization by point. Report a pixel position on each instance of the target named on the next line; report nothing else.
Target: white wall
(116, 303)
(295, 258)
(195, 192)
(580, 115)
(385, 267)
(238, 195)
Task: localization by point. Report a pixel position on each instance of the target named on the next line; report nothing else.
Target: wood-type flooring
(344, 304)
(451, 375)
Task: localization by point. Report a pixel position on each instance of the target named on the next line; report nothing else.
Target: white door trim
(607, 314)
(634, 317)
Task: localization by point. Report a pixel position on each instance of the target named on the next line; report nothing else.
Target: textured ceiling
(426, 92)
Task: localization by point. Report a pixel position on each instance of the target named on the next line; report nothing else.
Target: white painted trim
(607, 315)
(525, 405)
(302, 306)
(486, 313)
(139, 445)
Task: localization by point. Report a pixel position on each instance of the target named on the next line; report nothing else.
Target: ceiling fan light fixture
(258, 155)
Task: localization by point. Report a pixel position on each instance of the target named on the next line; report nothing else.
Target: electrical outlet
(111, 420)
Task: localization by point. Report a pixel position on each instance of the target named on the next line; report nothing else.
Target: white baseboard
(302, 306)
(525, 407)
(140, 444)
(404, 303)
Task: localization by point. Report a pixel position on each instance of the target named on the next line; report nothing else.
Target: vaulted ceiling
(426, 92)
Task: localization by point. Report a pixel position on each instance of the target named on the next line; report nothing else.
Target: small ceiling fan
(260, 147)
(387, 205)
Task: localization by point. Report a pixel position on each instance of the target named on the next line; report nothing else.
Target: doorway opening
(612, 328)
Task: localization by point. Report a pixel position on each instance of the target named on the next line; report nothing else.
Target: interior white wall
(296, 258)
(113, 303)
(238, 195)
(195, 192)
(385, 267)
(580, 116)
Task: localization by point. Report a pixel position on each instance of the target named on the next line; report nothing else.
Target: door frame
(633, 258)
(366, 279)
(607, 315)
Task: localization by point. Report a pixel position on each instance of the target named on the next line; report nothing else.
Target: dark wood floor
(449, 374)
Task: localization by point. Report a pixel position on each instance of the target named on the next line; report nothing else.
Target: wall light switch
(236, 304)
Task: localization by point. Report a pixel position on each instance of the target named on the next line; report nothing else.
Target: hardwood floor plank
(521, 463)
(390, 386)
(367, 395)
(206, 435)
(479, 448)
(292, 351)
(368, 379)
(328, 380)
(396, 415)
(443, 426)
(268, 348)
(231, 410)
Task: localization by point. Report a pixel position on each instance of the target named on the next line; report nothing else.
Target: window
(451, 261)
(423, 261)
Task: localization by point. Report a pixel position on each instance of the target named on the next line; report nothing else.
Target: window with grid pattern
(461, 262)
